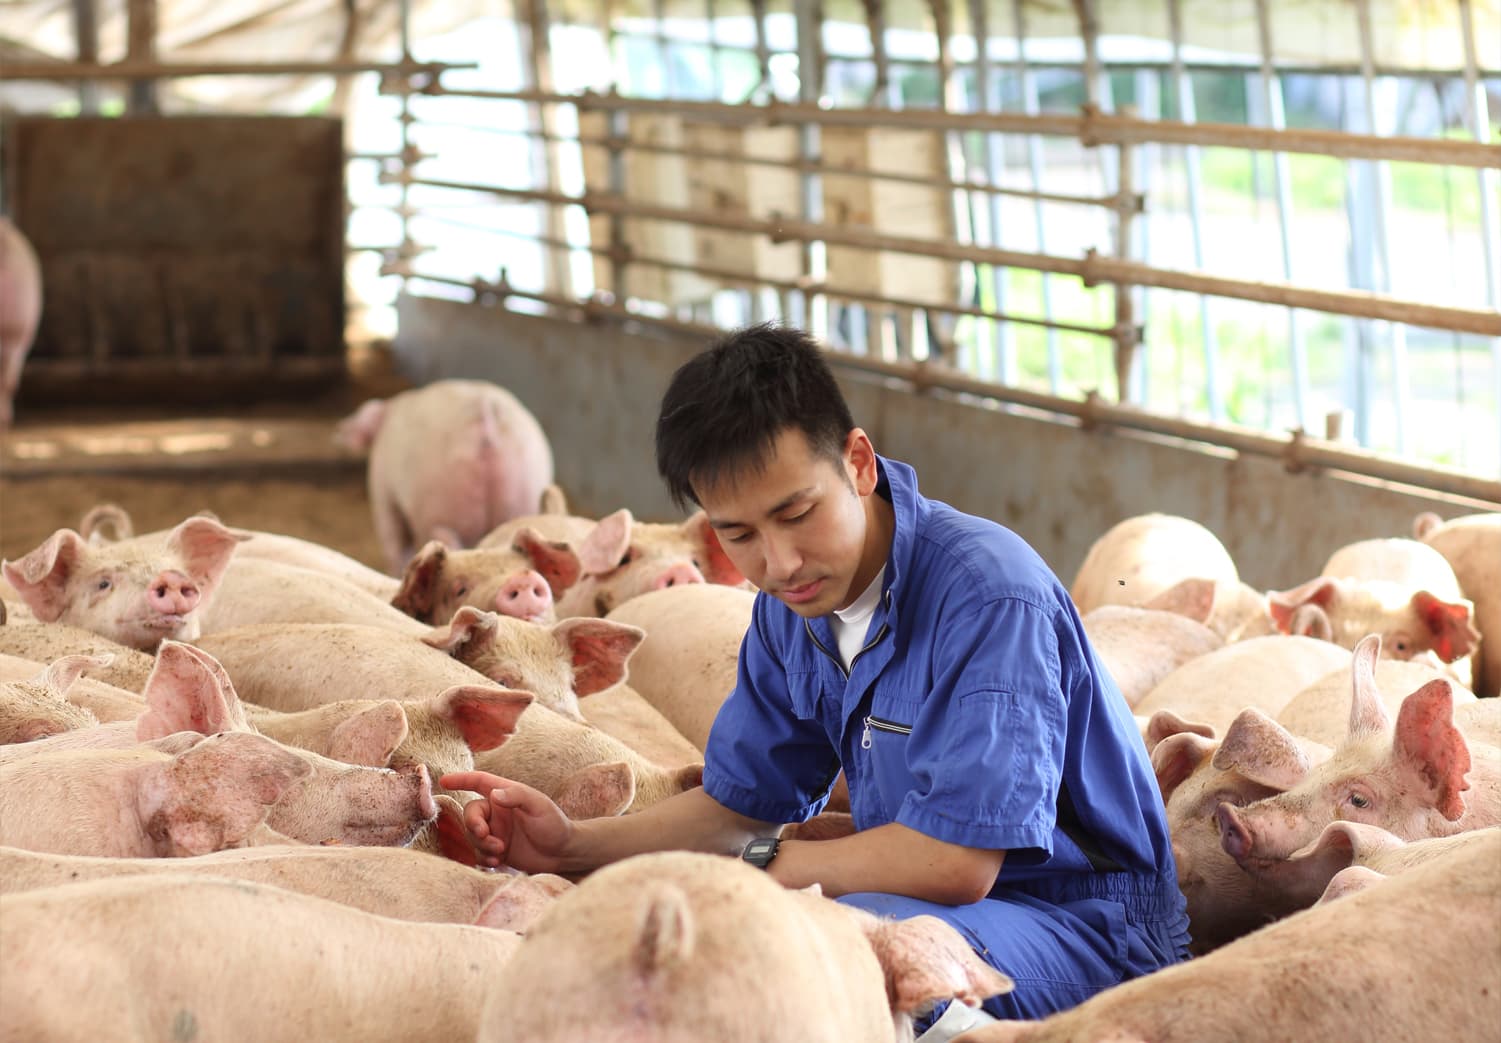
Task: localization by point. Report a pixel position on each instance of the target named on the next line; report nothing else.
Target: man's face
(800, 529)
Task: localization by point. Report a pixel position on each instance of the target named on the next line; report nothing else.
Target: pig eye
(104, 584)
(460, 590)
(627, 558)
(1358, 801)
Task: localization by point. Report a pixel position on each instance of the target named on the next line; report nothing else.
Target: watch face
(760, 851)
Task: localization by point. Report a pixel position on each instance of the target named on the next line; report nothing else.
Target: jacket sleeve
(763, 759)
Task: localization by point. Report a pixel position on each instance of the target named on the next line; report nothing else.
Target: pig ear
(927, 961)
(468, 624)
(710, 557)
(606, 543)
(1348, 842)
(358, 430)
(188, 691)
(1348, 881)
(1321, 592)
(598, 791)
(665, 933)
(553, 500)
(62, 674)
(41, 577)
(247, 773)
(516, 906)
(1367, 711)
(485, 714)
(370, 736)
(106, 523)
(1261, 750)
(1177, 757)
(599, 649)
(1193, 598)
(1428, 744)
(206, 547)
(1424, 523)
(1453, 637)
(554, 560)
(1164, 724)
(1311, 621)
(419, 584)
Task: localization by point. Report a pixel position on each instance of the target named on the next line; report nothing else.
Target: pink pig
(20, 310)
(449, 461)
(621, 558)
(523, 579)
(1410, 780)
(136, 591)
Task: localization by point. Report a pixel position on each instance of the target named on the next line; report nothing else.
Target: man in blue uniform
(995, 774)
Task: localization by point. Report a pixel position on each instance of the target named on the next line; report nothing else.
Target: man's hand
(514, 824)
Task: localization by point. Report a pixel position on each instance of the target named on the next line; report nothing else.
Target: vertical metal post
(545, 119)
(664, 50)
(1477, 116)
(810, 90)
(1187, 113)
(1149, 104)
(1002, 350)
(763, 48)
(1379, 209)
(141, 48)
(875, 23)
(1119, 177)
(86, 29)
(405, 251)
(1271, 93)
(716, 80)
(1032, 107)
(941, 327)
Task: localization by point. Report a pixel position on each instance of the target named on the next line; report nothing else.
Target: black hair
(726, 407)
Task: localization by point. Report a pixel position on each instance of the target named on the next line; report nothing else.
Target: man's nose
(782, 559)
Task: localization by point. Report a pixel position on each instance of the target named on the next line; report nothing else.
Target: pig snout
(172, 594)
(1235, 838)
(677, 575)
(525, 595)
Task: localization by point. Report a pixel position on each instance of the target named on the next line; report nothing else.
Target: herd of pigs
(221, 814)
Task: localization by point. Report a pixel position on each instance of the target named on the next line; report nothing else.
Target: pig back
(686, 665)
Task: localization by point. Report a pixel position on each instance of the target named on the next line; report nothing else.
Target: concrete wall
(596, 389)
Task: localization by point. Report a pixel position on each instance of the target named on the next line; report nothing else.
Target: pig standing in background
(449, 461)
(20, 310)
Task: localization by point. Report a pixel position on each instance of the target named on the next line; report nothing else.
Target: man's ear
(860, 458)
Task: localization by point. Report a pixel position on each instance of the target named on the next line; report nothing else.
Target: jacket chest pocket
(885, 740)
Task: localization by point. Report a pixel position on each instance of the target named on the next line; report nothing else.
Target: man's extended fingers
(476, 781)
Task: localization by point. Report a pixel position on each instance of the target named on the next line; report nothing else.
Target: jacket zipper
(868, 646)
(882, 726)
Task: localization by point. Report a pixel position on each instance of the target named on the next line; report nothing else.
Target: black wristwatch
(761, 851)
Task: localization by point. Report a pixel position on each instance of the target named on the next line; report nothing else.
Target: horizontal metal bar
(1091, 127)
(1297, 452)
(1092, 269)
(1164, 65)
(128, 70)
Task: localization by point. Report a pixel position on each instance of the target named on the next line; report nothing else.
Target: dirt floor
(267, 466)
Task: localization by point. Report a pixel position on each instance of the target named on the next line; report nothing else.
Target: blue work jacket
(976, 713)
